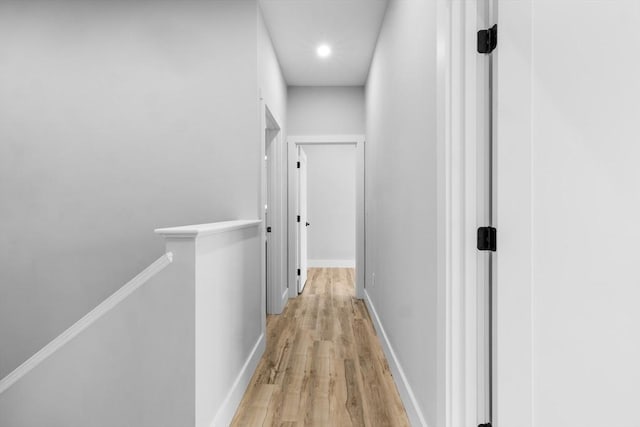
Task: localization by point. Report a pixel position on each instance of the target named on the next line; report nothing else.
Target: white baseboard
(229, 406)
(404, 388)
(331, 263)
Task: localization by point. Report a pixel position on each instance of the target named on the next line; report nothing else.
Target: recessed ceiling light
(324, 50)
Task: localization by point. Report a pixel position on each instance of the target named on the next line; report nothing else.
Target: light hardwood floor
(323, 365)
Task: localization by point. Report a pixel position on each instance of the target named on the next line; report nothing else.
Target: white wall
(176, 346)
(229, 319)
(273, 87)
(321, 110)
(273, 91)
(115, 118)
(401, 195)
(331, 197)
(114, 371)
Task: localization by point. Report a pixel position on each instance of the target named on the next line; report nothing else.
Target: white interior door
(568, 213)
(303, 222)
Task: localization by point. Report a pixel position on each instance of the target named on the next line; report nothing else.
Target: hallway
(323, 365)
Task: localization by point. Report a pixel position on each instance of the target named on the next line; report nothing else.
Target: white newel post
(222, 264)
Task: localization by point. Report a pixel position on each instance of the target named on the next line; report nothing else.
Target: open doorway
(326, 179)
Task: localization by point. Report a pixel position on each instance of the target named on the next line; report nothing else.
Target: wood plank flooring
(323, 365)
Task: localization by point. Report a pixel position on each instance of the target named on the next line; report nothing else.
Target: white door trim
(302, 216)
(293, 142)
(275, 298)
(459, 143)
(458, 137)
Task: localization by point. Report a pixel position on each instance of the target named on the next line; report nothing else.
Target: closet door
(567, 188)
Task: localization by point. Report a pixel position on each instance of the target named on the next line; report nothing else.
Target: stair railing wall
(176, 346)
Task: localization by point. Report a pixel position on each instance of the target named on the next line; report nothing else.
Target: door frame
(303, 218)
(512, 328)
(293, 142)
(274, 298)
(458, 138)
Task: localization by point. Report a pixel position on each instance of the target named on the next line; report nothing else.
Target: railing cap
(198, 230)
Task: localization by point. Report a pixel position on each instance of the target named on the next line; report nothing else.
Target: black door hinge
(488, 39)
(487, 239)
(298, 165)
(268, 229)
(298, 272)
(298, 220)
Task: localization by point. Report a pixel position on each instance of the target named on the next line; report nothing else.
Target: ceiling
(350, 27)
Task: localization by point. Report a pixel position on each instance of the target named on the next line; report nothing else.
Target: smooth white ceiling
(350, 27)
